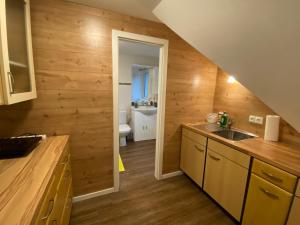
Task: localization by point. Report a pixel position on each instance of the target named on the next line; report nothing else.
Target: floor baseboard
(93, 195)
(173, 174)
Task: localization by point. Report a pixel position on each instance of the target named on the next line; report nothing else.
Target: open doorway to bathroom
(139, 87)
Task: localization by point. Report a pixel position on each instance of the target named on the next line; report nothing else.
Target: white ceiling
(138, 49)
(257, 41)
(137, 8)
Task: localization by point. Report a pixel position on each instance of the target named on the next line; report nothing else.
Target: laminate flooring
(144, 200)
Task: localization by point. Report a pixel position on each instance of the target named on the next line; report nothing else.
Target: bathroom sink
(145, 109)
(234, 134)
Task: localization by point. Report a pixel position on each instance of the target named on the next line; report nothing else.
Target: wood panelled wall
(239, 102)
(73, 63)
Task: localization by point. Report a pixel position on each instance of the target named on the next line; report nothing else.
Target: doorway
(162, 46)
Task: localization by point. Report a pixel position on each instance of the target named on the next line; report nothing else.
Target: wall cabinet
(143, 126)
(226, 177)
(193, 152)
(17, 81)
(269, 195)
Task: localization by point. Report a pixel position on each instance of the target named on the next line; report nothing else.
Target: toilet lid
(124, 128)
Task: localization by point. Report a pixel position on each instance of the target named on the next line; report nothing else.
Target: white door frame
(163, 65)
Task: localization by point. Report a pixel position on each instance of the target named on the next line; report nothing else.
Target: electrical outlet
(259, 120)
(252, 119)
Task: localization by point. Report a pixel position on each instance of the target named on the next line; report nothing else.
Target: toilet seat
(124, 129)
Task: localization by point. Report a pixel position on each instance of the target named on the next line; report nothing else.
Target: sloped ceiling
(256, 41)
(137, 8)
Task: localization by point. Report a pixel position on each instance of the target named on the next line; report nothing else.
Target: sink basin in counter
(230, 134)
(234, 134)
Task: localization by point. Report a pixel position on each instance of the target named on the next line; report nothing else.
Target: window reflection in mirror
(144, 83)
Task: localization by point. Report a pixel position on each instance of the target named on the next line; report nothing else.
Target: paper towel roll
(272, 128)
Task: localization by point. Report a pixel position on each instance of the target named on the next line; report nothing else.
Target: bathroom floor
(144, 200)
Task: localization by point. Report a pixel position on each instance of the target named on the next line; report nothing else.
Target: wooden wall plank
(239, 102)
(73, 63)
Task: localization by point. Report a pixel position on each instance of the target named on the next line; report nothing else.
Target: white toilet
(124, 128)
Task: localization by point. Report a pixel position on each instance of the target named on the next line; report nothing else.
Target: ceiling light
(231, 80)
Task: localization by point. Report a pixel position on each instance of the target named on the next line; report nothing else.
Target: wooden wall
(239, 102)
(73, 63)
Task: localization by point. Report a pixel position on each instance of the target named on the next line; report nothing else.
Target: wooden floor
(144, 200)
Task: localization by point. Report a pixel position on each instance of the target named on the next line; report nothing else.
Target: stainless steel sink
(234, 134)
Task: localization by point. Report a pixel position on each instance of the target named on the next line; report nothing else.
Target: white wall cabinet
(143, 126)
(17, 82)
(226, 173)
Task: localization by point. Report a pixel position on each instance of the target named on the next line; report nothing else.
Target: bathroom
(138, 91)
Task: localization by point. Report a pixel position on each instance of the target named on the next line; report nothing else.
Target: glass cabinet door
(16, 24)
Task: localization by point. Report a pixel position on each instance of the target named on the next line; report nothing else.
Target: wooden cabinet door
(192, 159)
(294, 218)
(139, 127)
(144, 126)
(225, 181)
(266, 203)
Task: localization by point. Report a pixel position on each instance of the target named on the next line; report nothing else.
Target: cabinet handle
(199, 149)
(214, 158)
(268, 193)
(50, 209)
(11, 82)
(272, 177)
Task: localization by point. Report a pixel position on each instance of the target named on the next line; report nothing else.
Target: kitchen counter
(23, 181)
(275, 153)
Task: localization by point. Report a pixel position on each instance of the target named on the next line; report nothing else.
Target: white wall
(257, 41)
(125, 74)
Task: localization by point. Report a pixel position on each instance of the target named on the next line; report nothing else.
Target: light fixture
(231, 80)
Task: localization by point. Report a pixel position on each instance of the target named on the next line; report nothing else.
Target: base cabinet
(143, 126)
(225, 181)
(266, 203)
(294, 218)
(192, 159)
(56, 205)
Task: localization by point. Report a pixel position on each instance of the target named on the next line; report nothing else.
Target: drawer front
(298, 189)
(229, 153)
(294, 217)
(61, 165)
(47, 207)
(192, 159)
(67, 208)
(266, 203)
(49, 212)
(274, 175)
(198, 138)
(225, 181)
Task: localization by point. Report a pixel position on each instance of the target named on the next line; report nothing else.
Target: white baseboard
(173, 174)
(93, 195)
